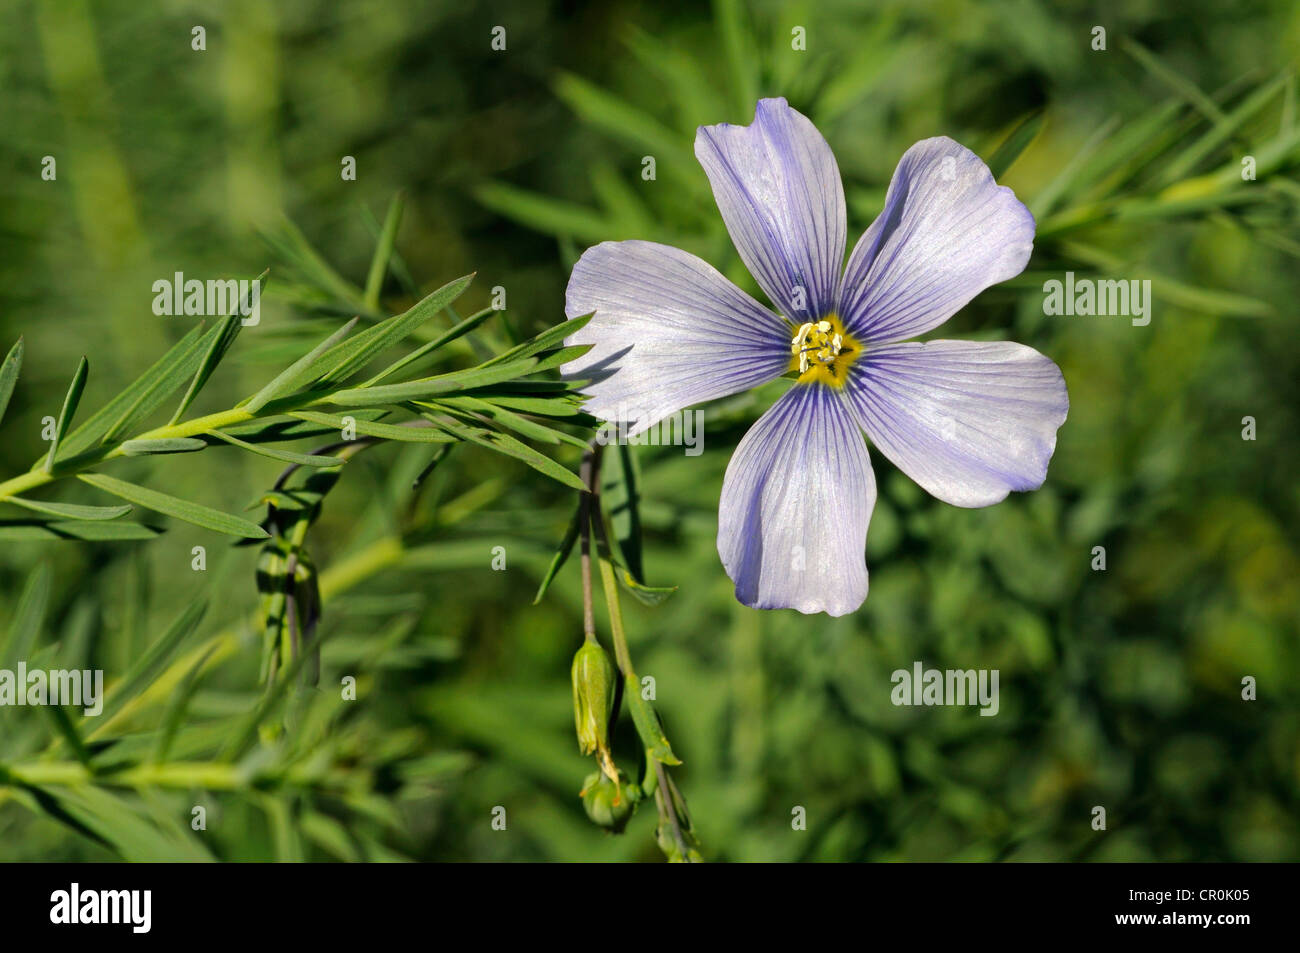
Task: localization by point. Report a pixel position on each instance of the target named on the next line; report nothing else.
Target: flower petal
(779, 191)
(796, 501)
(946, 233)
(969, 421)
(669, 331)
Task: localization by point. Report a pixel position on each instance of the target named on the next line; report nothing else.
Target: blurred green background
(1119, 688)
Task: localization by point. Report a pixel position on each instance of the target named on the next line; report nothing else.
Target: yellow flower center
(821, 352)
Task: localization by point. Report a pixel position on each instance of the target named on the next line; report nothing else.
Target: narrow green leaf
(24, 531)
(646, 595)
(620, 497)
(282, 501)
(112, 820)
(438, 456)
(511, 421)
(738, 45)
(370, 428)
(329, 835)
(287, 239)
(70, 402)
(562, 554)
(348, 357)
(218, 342)
(147, 666)
(74, 511)
(1047, 199)
(559, 357)
(141, 448)
(1205, 300)
(300, 373)
(647, 725)
(246, 733)
(508, 445)
(285, 428)
(1016, 142)
(1175, 81)
(9, 375)
(1128, 151)
(461, 328)
(543, 213)
(542, 406)
(430, 386)
(396, 264)
(28, 617)
(1189, 158)
(544, 341)
(454, 382)
(68, 731)
(147, 392)
(383, 252)
(517, 388)
(287, 456)
(177, 706)
(194, 513)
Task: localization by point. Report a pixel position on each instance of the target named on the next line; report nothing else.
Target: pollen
(821, 352)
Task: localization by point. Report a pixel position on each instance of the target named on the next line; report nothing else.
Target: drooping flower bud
(605, 803)
(593, 698)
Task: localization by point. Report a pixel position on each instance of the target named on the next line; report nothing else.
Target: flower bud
(606, 805)
(593, 697)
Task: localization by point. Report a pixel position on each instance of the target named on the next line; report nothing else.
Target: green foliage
(1120, 688)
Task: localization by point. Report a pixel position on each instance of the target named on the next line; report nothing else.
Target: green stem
(596, 517)
(610, 584)
(20, 484)
(589, 473)
(210, 775)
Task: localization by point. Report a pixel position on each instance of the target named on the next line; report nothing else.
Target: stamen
(818, 340)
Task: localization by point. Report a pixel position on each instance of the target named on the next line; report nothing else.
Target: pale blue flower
(969, 421)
